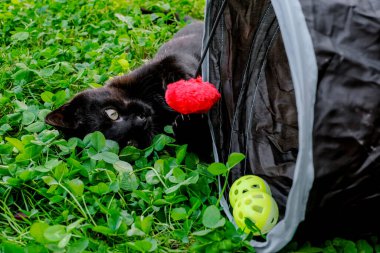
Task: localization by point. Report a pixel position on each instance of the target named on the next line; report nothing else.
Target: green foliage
(91, 195)
(50, 49)
(335, 246)
(80, 195)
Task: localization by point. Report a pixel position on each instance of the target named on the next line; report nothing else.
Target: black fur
(138, 97)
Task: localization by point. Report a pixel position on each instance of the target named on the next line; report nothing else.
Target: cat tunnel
(300, 86)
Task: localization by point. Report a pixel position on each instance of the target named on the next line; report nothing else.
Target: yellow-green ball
(260, 208)
(245, 184)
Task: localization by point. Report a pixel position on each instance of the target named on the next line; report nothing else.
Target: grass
(91, 195)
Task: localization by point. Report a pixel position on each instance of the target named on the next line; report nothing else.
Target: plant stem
(75, 200)
(88, 212)
(224, 187)
(159, 177)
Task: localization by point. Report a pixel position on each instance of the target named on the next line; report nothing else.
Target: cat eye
(112, 114)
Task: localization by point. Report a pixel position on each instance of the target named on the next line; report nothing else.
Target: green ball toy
(246, 184)
(260, 208)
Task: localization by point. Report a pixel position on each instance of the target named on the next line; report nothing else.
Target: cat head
(129, 121)
(129, 109)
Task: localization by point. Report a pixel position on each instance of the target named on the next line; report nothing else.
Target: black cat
(131, 109)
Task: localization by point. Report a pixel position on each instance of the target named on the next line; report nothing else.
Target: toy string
(211, 36)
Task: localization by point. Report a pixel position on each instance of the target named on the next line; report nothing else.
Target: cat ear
(63, 117)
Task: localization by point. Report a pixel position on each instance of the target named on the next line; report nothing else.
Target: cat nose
(141, 121)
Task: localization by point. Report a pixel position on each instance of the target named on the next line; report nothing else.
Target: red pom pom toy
(191, 96)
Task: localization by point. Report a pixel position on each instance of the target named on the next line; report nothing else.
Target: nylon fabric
(300, 85)
(346, 190)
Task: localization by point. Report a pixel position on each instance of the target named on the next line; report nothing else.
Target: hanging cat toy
(192, 96)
